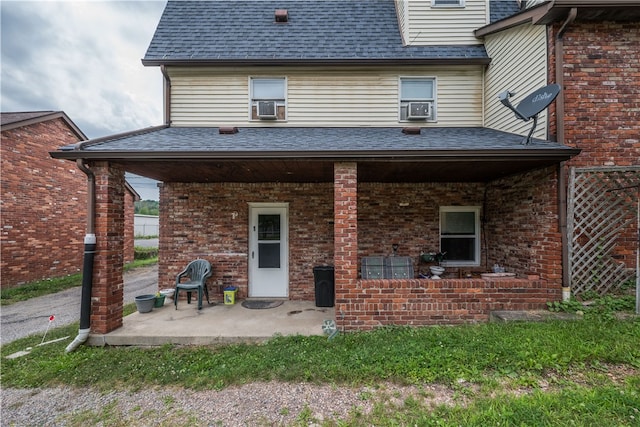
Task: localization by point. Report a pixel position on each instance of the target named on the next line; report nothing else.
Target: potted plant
(437, 257)
(159, 300)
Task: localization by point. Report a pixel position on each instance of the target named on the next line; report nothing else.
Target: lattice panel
(602, 226)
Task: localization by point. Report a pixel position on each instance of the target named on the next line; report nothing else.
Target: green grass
(481, 365)
(51, 286)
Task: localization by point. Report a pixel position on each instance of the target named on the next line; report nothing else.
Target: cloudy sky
(83, 58)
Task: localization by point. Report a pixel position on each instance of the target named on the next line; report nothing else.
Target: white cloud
(82, 58)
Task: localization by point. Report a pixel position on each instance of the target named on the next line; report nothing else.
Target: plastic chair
(197, 272)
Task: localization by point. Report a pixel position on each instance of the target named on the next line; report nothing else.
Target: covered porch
(365, 189)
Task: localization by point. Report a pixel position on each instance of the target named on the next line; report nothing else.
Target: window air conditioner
(267, 110)
(419, 110)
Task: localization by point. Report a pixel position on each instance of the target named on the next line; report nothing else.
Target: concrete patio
(215, 324)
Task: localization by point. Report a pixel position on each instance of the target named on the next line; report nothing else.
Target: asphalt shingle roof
(331, 30)
(301, 140)
(500, 9)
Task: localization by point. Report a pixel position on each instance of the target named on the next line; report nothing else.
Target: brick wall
(210, 221)
(108, 286)
(44, 205)
(602, 93)
(374, 303)
(522, 230)
(129, 238)
(601, 75)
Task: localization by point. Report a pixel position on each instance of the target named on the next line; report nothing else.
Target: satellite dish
(531, 105)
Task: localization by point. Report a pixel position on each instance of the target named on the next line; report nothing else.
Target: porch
(215, 324)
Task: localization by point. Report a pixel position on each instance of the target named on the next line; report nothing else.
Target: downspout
(562, 182)
(87, 268)
(167, 95)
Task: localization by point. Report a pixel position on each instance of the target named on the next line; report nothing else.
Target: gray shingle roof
(327, 30)
(301, 140)
(500, 9)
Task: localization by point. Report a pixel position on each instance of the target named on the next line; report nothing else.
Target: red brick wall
(374, 303)
(210, 221)
(108, 286)
(129, 206)
(44, 205)
(602, 93)
(601, 75)
(522, 230)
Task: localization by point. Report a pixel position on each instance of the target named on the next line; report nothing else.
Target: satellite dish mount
(531, 105)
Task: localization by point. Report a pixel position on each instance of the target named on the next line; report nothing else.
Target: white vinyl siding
(519, 64)
(437, 25)
(322, 96)
(402, 10)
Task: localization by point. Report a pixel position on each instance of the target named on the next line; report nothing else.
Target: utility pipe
(87, 268)
(562, 182)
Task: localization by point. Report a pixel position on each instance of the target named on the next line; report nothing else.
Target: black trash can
(325, 285)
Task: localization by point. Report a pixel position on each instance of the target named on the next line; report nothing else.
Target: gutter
(87, 268)
(315, 62)
(333, 155)
(562, 182)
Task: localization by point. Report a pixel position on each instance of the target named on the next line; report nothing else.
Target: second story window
(417, 98)
(268, 98)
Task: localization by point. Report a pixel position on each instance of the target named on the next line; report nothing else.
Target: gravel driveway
(32, 316)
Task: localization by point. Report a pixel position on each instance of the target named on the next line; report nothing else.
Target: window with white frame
(447, 3)
(460, 235)
(268, 98)
(417, 98)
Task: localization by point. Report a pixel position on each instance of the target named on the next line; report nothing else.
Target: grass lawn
(581, 373)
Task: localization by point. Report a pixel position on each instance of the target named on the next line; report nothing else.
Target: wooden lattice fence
(602, 226)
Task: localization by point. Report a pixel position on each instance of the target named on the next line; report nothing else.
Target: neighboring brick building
(43, 200)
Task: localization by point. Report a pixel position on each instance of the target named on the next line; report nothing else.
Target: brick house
(299, 134)
(44, 201)
(594, 54)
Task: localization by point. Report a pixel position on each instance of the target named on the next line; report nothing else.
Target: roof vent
(411, 130)
(282, 15)
(227, 130)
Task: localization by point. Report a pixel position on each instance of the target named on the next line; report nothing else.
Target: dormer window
(447, 3)
(268, 98)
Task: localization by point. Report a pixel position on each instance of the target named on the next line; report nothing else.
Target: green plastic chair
(197, 273)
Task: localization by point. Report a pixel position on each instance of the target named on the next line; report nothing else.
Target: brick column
(345, 203)
(108, 286)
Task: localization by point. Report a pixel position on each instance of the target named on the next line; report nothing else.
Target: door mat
(261, 304)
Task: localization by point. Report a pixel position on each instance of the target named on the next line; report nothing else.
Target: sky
(83, 58)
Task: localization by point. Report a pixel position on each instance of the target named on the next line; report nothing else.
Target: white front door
(268, 250)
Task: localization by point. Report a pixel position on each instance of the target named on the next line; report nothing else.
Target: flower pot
(159, 301)
(436, 271)
(168, 293)
(145, 303)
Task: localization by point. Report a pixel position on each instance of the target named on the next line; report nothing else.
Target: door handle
(252, 255)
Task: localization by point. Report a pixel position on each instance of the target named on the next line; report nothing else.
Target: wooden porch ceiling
(315, 170)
